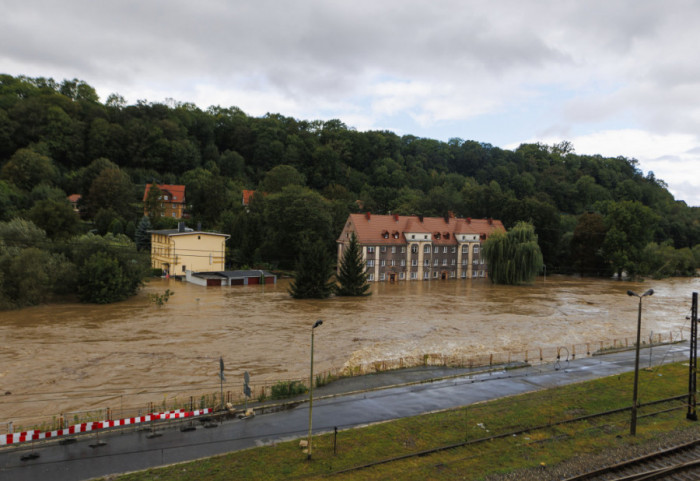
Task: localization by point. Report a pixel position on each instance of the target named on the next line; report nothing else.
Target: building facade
(172, 200)
(177, 251)
(396, 247)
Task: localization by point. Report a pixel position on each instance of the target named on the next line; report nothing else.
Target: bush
(285, 389)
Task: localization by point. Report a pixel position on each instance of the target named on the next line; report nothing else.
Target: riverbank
(529, 431)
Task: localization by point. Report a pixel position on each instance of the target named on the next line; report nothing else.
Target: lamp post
(311, 386)
(633, 423)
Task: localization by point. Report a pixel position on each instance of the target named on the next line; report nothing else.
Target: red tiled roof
(383, 229)
(175, 193)
(247, 194)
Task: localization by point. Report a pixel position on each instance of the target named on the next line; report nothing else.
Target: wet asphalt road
(135, 450)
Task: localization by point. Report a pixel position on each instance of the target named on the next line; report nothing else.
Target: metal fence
(211, 396)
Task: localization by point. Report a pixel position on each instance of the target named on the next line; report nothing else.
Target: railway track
(679, 463)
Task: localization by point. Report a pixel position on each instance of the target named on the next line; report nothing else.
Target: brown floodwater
(68, 357)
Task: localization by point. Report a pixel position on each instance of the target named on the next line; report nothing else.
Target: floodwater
(68, 357)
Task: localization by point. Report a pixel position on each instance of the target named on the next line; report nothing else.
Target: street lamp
(311, 386)
(633, 424)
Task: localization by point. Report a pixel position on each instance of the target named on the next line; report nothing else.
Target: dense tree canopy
(58, 138)
(513, 257)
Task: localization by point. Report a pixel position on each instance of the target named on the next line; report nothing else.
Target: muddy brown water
(67, 357)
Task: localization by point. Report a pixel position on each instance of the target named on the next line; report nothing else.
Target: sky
(616, 78)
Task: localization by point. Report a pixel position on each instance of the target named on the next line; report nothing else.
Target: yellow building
(177, 251)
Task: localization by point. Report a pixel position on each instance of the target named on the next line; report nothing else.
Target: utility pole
(693, 369)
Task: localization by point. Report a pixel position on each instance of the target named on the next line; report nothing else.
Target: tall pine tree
(352, 276)
(314, 269)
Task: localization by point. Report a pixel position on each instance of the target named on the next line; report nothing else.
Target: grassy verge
(546, 446)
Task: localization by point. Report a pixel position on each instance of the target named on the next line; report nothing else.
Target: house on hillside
(177, 251)
(172, 200)
(74, 200)
(396, 247)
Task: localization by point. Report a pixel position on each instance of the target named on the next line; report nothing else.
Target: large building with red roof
(397, 247)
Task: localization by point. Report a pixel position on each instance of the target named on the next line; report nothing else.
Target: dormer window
(165, 197)
(447, 235)
(437, 235)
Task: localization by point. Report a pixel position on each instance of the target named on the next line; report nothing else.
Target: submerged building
(396, 247)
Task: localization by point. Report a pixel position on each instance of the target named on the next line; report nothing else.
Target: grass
(548, 445)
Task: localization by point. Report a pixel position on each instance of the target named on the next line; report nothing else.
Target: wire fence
(126, 405)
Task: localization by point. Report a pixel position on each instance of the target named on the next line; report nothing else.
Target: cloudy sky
(613, 77)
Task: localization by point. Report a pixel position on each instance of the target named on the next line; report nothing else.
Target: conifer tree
(142, 236)
(513, 257)
(352, 276)
(314, 269)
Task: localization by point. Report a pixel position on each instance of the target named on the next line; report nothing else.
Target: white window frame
(383, 249)
(393, 249)
(413, 275)
(403, 262)
(476, 249)
(382, 277)
(426, 249)
(370, 249)
(444, 262)
(426, 275)
(370, 277)
(436, 250)
(402, 275)
(370, 262)
(444, 250)
(465, 249)
(426, 262)
(414, 262)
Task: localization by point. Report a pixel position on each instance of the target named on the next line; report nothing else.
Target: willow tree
(513, 257)
(352, 273)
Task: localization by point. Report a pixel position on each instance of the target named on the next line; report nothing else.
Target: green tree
(587, 243)
(57, 218)
(111, 189)
(314, 269)
(279, 177)
(132, 267)
(27, 168)
(143, 236)
(154, 202)
(352, 273)
(629, 230)
(513, 257)
(101, 280)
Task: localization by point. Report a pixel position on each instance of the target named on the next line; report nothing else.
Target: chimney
(490, 221)
(396, 217)
(420, 218)
(368, 215)
(469, 220)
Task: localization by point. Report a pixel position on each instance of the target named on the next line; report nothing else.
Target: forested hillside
(593, 215)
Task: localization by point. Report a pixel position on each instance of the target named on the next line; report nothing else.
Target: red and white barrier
(97, 425)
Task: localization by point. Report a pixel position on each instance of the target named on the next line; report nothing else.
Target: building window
(403, 249)
(426, 249)
(413, 236)
(403, 262)
(436, 250)
(465, 249)
(474, 273)
(481, 273)
(464, 262)
(382, 277)
(476, 249)
(414, 248)
(370, 277)
(184, 268)
(444, 262)
(426, 262)
(426, 275)
(435, 274)
(383, 263)
(383, 249)
(413, 275)
(370, 250)
(370, 262)
(393, 262)
(475, 261)
(393, 249)
(452, 274)
(464, 274)
(414, 262)
(209, 259)
(436, 262)
(165, 197)
(454, 261)
(402, 275)
(454, 249)
(444, 250)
